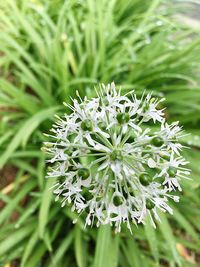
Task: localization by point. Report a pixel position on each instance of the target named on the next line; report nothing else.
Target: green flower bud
(102, 125)
(49, 168)
(172, 171)
(117, 200)
(116, 155)
(86, 125)
(49, 145)
(123, 118)
(149, 204)
(157, 141)
(84, 173)
(145, 179)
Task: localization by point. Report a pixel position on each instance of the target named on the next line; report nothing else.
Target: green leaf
(169, 237)
(27, 102)
(152, 240)
(45, 206)
(24, 190)
(29, 247)
(114, 251)
(25, 131)
(102, 246)
(27, 212)
(61, 250)
(80, 247)
(132, 253)
(16, 238)
(184, 223)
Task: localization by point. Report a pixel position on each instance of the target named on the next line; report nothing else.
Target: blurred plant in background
(49, 49)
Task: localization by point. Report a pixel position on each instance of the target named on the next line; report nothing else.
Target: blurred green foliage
(50, 49)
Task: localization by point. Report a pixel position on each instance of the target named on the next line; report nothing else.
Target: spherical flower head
(109, 164)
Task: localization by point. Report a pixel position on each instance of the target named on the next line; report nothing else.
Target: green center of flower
(116, 155)
(84, 173)
(123, 117)
(86, 125)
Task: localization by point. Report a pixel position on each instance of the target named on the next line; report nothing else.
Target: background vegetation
(48, 49)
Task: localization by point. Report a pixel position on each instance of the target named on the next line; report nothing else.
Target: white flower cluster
(110, 164)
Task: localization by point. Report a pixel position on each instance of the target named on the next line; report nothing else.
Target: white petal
(103, 165)
(151, 163)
